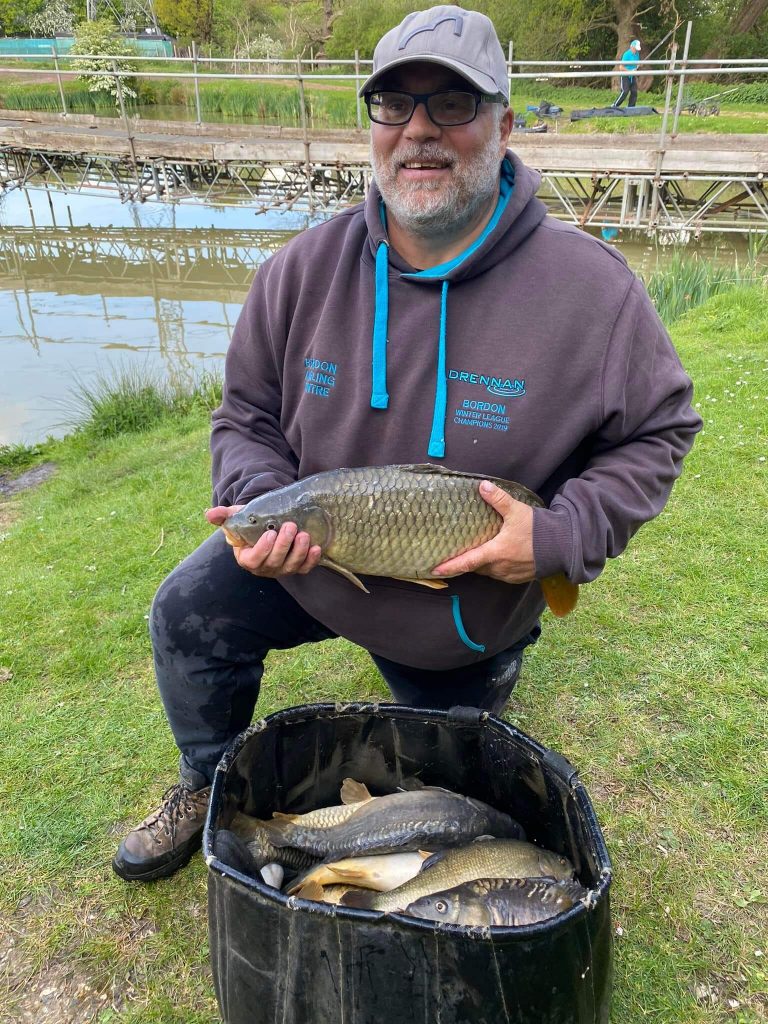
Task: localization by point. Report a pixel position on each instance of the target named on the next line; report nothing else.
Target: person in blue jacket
(629, 62)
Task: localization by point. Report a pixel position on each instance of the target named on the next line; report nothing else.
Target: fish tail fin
(560, 594)
(360, 899)
(353, 792)
(275, 831)
(311, 891)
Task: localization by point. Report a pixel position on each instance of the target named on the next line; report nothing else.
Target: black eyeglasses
(446, 109)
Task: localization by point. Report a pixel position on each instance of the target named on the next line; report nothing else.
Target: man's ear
(505, 127)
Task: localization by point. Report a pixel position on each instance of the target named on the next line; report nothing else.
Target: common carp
(261, 851)
(498, 902)
(429, 817)
(382, 872)
(396, 521)
(484, 858)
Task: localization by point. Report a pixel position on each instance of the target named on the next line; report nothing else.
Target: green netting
(41, 48)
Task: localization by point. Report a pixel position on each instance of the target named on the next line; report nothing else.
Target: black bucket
(282, 959)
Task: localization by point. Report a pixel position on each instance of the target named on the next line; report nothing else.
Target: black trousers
(628, 88)
(212, 625)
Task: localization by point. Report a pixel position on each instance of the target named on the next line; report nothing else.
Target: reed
(688, 281)
(131, 400)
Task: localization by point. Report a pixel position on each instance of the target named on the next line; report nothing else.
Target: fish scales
(388, 521)
(380, 515)
(398, 822)
(398, 521)
(499, 901)
(484, 858)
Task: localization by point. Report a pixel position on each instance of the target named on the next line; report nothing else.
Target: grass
(655, 688)
(332, 105)
(687, 281)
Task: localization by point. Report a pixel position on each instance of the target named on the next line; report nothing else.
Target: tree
(56, 18)
(15, 14)
(186, 19)
(236, 23)
(103, 50)
(739, 30)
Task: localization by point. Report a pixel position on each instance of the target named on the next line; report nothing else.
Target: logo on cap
(458, 25)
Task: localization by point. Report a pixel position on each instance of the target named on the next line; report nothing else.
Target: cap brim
(480, 81)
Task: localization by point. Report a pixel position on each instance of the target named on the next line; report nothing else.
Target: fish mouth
(232, 538)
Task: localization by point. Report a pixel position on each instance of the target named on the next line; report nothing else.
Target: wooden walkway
(692, 183)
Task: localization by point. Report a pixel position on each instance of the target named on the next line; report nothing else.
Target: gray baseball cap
(464, 41)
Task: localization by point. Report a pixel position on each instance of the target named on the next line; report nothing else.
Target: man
(447, 319)
(629, 63)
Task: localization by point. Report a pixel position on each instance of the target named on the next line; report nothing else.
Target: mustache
(425, 154)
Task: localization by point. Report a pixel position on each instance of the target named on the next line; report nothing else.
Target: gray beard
(421, 208)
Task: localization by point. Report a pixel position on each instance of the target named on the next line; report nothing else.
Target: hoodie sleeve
(648, 426)
(249, 452)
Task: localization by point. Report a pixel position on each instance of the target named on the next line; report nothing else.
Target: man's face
(433, 178)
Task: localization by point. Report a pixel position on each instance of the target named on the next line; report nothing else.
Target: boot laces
(175, 804)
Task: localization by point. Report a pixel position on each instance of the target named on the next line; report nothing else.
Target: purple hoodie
(536, 356)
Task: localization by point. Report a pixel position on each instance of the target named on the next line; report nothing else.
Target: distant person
(629, 63)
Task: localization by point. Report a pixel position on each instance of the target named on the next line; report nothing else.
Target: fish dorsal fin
(411, 783)
(311, 891)
(517, 490)
(435, 858)
(483, 839)
(353, 792)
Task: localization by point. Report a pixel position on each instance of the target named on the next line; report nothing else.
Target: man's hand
(509, 556)
(274, 554)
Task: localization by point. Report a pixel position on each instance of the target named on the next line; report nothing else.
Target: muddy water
(89, 286)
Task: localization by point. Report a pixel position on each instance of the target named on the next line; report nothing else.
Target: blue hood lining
(379, 394)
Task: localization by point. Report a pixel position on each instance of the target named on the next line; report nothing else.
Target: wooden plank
(744, 155)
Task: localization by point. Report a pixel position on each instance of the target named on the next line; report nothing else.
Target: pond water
(89, 286)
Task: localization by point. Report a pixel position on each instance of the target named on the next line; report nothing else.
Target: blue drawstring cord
(460, 626)
(437, 437)
(379, 396)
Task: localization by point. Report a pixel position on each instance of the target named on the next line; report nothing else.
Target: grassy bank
(655, 688)
(332, 105)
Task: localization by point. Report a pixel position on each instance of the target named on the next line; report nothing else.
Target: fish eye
(441, 906)
(251, 518)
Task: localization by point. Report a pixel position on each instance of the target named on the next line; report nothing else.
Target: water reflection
(130, 289)
(88, 284)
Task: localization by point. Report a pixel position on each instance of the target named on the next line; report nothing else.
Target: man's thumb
(496, 497)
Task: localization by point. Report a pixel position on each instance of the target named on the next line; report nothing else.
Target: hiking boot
(167, 838)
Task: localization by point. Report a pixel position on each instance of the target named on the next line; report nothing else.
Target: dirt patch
(31, 478)
(60, 990)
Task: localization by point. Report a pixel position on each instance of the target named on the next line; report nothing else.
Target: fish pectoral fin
(560, 594)
(350, 874)
(311, 891)
(328, 563)
(360, 898)
(433, 584)
(284, 817)
(353, 792)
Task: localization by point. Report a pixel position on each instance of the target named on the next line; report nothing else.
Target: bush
(104, 51)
